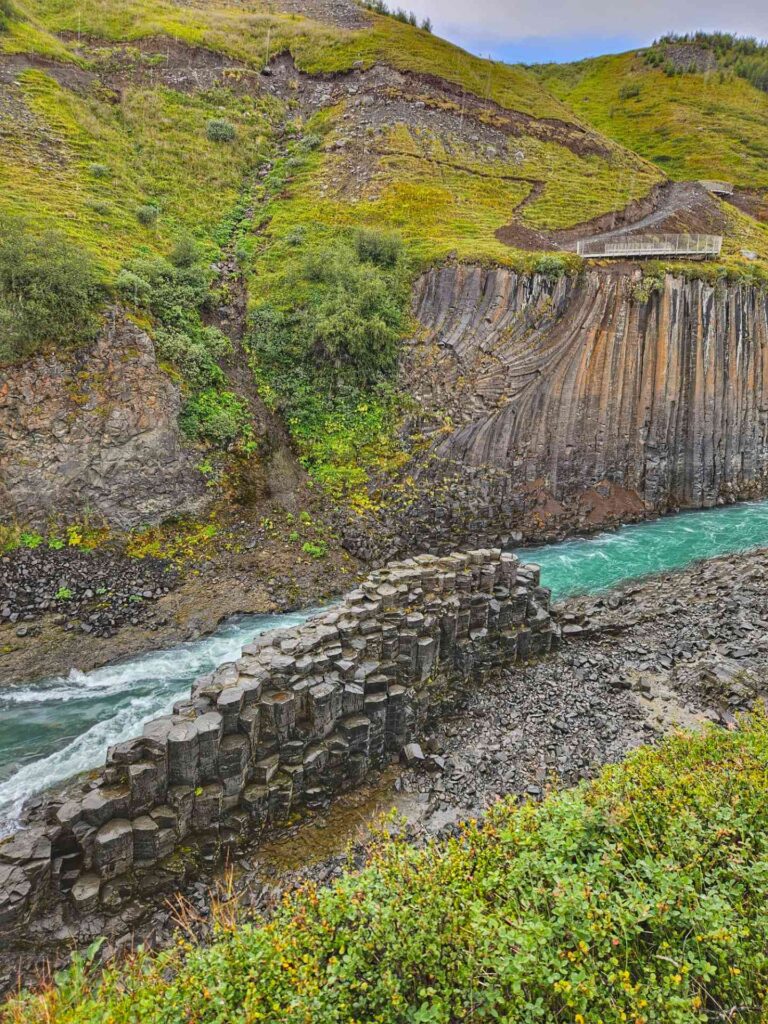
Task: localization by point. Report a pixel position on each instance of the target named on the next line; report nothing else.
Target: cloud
(494, 23)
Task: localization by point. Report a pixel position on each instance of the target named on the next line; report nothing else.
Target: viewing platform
(719, 188)
(702, 246)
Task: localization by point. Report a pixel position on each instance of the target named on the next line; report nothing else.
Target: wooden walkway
(651, 245)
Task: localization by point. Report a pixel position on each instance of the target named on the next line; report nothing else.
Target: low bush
(174, 294)
(551, 266)
(196, 353)
(219, 417)
(329, 362)
(641, 897)
(219, 129)
(147, 215)
(7, 11)
(185, 252)
(50, 292)
(379, 247)
(352, 321)
(629, 91)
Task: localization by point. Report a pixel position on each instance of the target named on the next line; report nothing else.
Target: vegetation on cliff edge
(639, 897)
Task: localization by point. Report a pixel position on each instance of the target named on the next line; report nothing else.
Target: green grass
(691, 125)
(251, 32)
(127, 179)
(89, 165)
(640, 897)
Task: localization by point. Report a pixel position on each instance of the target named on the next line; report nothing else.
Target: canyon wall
(548, 406)
(94, 430)
(305, 713)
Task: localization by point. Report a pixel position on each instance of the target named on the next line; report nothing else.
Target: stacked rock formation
(305, 713)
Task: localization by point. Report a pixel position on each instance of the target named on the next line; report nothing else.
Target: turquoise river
(54, 728)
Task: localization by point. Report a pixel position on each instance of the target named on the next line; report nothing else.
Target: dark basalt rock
(303, 715)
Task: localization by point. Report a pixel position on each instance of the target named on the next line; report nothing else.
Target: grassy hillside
(139, 129)
(640, 897)
(709, 124)
(144, 136)
(76, 158)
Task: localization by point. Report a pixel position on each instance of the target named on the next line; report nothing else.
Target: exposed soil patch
(158, 60)
(753, 203)
(689, 57)
(24, 135)
(69, 75)
(342, 13)
(409, 97)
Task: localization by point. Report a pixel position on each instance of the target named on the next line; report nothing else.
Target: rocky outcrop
(547, 407)
(304, 714)
(558, 405)
(582, 380)
(94, 430)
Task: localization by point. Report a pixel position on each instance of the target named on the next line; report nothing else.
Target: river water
(52, 729)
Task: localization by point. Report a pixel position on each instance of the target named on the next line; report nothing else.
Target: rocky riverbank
(674, 651)
(83, 609)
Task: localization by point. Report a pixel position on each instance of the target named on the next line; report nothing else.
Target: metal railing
(653, 245)
(720, 188)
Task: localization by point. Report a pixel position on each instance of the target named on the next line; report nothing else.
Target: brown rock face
(97, 430)
(573, 383)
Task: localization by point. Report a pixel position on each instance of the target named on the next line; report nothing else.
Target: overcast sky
(540, 30)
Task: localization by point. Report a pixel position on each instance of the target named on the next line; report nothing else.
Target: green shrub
(328, 360)
(103, 209)
(297, 235)
(379, 247)
(315, 549)
(196, 353)
(217, 417)
(7, 12)
(629, 91)
(641, 897)
(49, 291)
(550, 266)
(172, 294)
(147, 215)
(348, 331)
(100, 171)
(309, 142)
(219, 129)
(185, 252)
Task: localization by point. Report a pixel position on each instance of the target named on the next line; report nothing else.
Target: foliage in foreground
(640, 897)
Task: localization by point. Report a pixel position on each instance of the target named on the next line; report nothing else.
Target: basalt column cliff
(575, 401)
